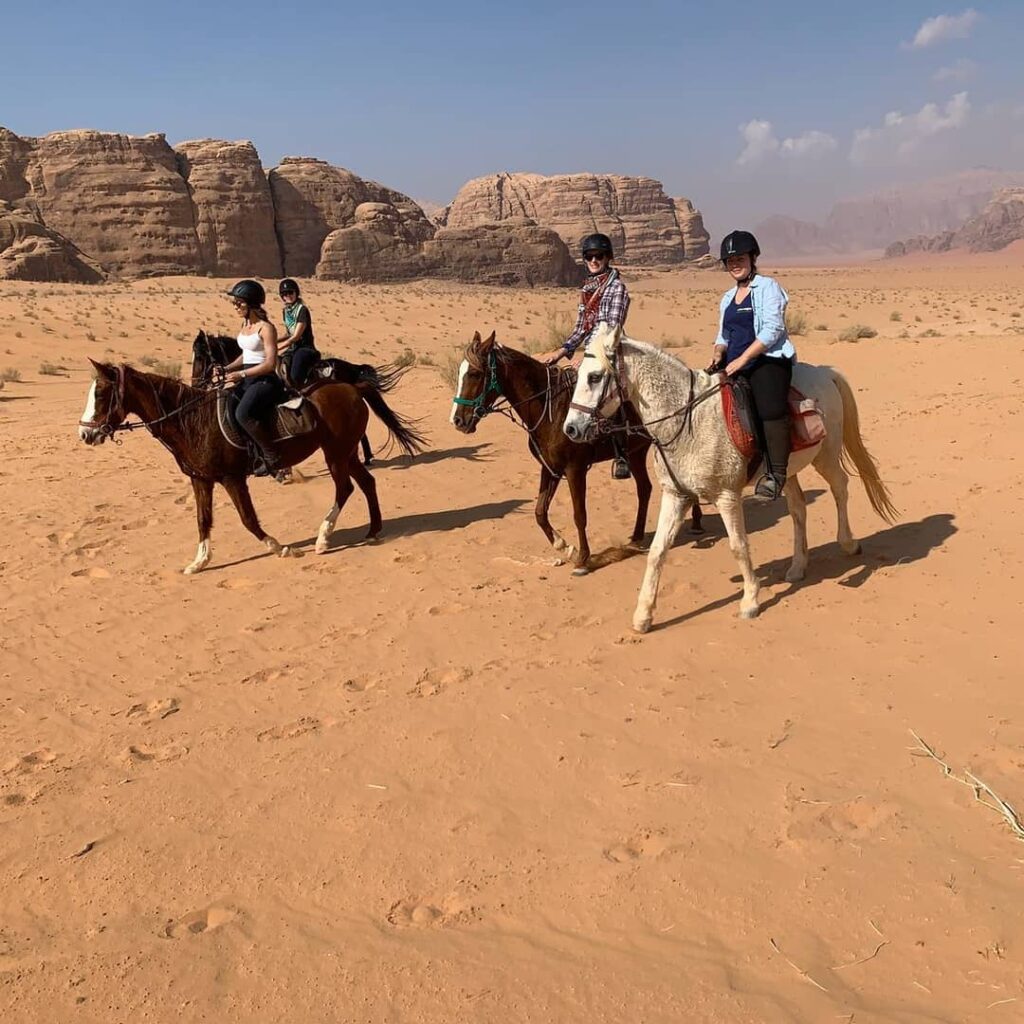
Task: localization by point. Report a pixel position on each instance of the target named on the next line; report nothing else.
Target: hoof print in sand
(415, 913)
(199, 922)
(134, 755)
(155, 709)
(642, 846)
(436, 680)
(290, 730)
(35, 761)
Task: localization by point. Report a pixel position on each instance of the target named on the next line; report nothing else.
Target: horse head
(600, 389)
(477, 388)
(210, 351)
(104, 406)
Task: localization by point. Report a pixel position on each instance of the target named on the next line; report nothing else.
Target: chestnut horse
(184, 420)
(540, 396)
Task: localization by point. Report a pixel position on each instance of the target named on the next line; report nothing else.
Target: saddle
(807, 425)
(291, 419)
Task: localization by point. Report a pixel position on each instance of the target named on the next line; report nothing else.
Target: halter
(477, 404)
(598, 411)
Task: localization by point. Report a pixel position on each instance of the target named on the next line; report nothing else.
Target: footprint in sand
(455, 908)
(836, 822)
(92, 574)
(199, 922)
(436, 680)
(35, 761)
(645, 845)
(134, 755)
(290, 730)
(155, 709)
(14, 799)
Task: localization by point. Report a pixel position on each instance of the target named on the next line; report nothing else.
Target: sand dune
(439, 779)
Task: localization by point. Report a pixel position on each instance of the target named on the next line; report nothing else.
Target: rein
(502, 404)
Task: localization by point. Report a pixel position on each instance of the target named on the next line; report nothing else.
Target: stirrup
(620, 469)
(769, 487)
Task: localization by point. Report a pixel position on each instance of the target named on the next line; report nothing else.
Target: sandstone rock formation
(995, 227)
(14, 154)
(379, 246)
(633, 211)
(312, 199)
(29, 251)
(515, 252)
(233, 209)
(119, 198)
(696, 240)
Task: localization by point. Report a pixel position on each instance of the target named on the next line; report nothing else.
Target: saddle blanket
(292, 419)
(807, 425)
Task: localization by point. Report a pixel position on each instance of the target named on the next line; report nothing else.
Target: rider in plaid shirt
(602, 298)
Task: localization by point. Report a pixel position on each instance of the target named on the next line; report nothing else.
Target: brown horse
(184, 420)
(540, 396)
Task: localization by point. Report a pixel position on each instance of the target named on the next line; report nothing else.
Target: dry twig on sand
(981, 789)
(803, 974)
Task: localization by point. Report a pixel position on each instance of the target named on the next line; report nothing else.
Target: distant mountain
(999, 224)
(875, 221)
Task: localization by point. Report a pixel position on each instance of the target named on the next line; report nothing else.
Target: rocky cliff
(232, 208)
(995, 227)
(30, 251)
(634, 212)
(696, 240)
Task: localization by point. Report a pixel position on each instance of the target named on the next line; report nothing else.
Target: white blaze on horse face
(463, 370)
(85, 433)
(586, 395)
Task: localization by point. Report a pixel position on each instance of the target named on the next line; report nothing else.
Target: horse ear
(104, 370)
(488, 341)
(476, 338)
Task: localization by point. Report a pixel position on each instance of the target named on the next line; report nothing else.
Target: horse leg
(203, 491)
(238, 491)
(670, 518)
(366, 483)
(838, 482)
(343, 488)
(797, 504)
(577, 477)
(638, 467)
(696, 519)
(545, 493)
(730, 508)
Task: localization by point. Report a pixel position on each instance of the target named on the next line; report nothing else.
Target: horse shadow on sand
(468, 453)
(895, 545)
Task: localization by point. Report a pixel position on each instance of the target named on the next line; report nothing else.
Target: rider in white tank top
(252, 348)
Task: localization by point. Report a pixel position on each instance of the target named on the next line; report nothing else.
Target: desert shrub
(51, 370)
(407, 358)
(10, 374)
(895, 316)
(796, 323)
(857, 331)
(930, 333)
(821, 327)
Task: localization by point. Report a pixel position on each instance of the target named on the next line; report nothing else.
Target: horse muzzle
(579, 428)
(92, 435)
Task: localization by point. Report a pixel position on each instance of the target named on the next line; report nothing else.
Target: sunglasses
(237, 302)
(284, 295)
(593, 257)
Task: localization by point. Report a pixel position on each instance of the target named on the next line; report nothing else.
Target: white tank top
(252, 348)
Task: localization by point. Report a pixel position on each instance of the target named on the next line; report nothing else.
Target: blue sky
(749, 110)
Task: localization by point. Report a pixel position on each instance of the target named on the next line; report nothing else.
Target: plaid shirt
(612, 309)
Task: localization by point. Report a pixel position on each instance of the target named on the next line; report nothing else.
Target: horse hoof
(191, 570)
(642, 626)
(557, 562)
(581, 570)
(290, 552)
(322, 549)
(372, 538)
(852, 549)
(795, 575)
(698, 530)
(749, 613)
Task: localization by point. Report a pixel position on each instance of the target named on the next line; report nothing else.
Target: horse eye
(594, 378)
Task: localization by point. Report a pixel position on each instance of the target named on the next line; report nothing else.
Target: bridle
(601, 411)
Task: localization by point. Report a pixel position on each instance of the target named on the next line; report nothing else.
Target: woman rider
(603, 297)
(297, 348)
(752, 342)
(254, 373)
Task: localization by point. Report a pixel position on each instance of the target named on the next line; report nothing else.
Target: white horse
(696, 459)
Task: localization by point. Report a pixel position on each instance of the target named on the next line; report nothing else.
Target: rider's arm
(268, 332)
(288, 340)
(615, 304)
(570, 344)
(769, 312)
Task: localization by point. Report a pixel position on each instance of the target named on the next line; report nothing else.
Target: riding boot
(266, 461)
(776, 457)
(620, 465)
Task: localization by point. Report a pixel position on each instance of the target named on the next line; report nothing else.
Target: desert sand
(439, 779)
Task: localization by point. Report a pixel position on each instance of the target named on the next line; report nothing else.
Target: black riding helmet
(597, 243)
(250, 292)
(740, 243)
(289, 285)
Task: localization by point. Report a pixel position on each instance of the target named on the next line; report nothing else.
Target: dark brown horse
(184, 420)
(540, 396)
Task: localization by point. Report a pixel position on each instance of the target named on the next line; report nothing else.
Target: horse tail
(856, 459)
(411, 440)
(383, 378)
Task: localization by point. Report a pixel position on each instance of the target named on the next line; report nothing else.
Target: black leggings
(257, 396)
(300, 362)
(770, 378)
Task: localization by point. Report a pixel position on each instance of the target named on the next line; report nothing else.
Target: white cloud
(900, 134)
(959, 71)
(944, 27)
(760, 143)
(811, 144)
